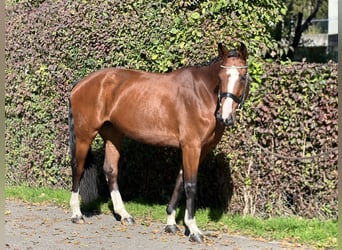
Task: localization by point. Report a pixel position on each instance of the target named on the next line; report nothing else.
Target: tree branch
(307, 22)
(300, 28)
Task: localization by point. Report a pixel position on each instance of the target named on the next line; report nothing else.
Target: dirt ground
(30, 226)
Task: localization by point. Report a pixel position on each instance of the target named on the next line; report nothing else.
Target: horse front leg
(171, 226)
(191, 158)
(110, 168)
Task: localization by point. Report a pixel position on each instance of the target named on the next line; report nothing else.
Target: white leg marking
(119, 207)
(191, 224)
(171, 218)
(75, 205)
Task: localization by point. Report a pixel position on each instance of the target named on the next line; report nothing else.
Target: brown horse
(187, 108)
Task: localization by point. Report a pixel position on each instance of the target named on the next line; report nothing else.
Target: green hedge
(292, 114)
(292, 109)
(52, 44)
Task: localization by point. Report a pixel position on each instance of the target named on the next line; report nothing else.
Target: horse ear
(222, 50)
(243, 51)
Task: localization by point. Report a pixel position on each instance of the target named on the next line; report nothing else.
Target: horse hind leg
(171, 225)
(79, 157)
(110, 168)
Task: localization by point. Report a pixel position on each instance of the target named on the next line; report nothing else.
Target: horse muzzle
(228, 122)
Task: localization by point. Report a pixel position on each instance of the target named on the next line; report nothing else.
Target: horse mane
(72, 86)
(203, 64)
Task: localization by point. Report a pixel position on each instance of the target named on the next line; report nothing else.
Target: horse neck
(210, 74)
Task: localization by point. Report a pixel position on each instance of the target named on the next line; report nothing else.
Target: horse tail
(91, 184)
(72, 138)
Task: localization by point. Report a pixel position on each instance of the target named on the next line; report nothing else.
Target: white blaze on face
(227, 107)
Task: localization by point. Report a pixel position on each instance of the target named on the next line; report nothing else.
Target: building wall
(333, 17)
(322, 47)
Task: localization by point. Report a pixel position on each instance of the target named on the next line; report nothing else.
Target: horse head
(233, 83)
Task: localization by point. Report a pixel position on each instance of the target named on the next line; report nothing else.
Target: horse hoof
(171, 229)
(78, 219)
(128, 221)
(196, 238)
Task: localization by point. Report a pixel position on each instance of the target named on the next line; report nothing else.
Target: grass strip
(313, 232)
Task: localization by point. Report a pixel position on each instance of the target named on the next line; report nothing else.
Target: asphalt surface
(30, 226)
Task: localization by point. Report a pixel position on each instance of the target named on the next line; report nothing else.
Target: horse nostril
(229, 122)
(219, 117)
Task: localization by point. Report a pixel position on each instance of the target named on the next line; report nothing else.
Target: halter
(239, 101)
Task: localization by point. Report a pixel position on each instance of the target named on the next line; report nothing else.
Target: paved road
(47, 227)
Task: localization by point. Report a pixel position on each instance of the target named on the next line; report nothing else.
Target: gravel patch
(30, 226)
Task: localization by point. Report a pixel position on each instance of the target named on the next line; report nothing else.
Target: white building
(333, 28)
(333, 17)
(325, 42)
